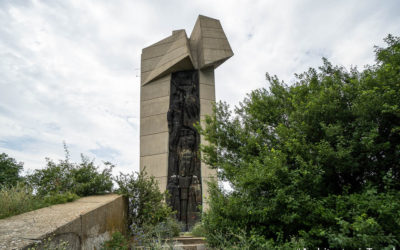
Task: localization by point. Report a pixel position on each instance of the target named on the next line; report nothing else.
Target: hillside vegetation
(314, 164)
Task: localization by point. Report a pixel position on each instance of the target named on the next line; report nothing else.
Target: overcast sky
(69, 70)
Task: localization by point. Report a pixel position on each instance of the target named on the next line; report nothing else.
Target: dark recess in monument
(184, 174)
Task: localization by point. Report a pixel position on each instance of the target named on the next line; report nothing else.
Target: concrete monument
(177, 91)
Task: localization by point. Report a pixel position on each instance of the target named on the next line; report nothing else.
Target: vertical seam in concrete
(81, 233)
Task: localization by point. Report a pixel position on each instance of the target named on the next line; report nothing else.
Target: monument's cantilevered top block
(207, 47)
(166, 56)
(209, 42)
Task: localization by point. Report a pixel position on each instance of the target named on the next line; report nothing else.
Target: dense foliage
(56, 183)
(151, 220)
(315, 164)
(148, 214)
(117, 242)
(83, 179)
(9, 170)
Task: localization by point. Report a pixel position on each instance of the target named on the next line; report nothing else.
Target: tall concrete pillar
(177, 90)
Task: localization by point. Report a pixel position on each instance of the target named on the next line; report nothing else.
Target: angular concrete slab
(162, 57)
(210, 40)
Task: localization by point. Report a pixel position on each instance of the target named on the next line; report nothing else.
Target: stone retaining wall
(83, 224)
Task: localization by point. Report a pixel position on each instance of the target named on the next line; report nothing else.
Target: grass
(20, 199)
(198, 230)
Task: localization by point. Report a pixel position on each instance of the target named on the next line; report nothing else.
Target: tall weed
(17, 199)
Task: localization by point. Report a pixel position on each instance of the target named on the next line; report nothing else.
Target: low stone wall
(82, 224)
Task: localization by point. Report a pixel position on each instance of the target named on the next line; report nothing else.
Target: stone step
(189, 240)
(182, 243)
(190, 247)
(177, 247)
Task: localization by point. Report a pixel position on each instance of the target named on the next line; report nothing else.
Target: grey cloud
(18, 143)
(68, 68)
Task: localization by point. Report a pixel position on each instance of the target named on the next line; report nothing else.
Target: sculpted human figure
(184, 183)
(194, 200)
(186, 152)
(174, 191)
(191, 106)
(175, 116)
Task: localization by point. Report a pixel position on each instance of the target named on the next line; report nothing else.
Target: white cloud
(69, 69)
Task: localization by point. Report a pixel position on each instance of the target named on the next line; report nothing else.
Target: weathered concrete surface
(208, 43)
(83, 224)
(205, 49)
(165, 57)
(154, 167)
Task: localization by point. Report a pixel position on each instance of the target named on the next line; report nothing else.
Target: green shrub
(150, 219)
(56, 183)
(87, 180)
(83, 179)
(146, 203)
(117, 242)
(241, 240)
(315, 163)
(198, 230)
(17, 199)
(57, 198)
(166, 229)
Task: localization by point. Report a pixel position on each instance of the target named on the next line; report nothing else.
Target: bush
(165, 229)
(56, 183)
(150, 219)
(9, 170)
(146, 203)
(315, 164)
(117, 242)
(198, 230)
(59, 198)
(87, 179)
(83, 179)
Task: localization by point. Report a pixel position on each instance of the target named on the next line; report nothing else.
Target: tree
(82, 179)
(315, 164)
(9, 170)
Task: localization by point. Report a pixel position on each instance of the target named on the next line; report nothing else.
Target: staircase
(190, 243)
